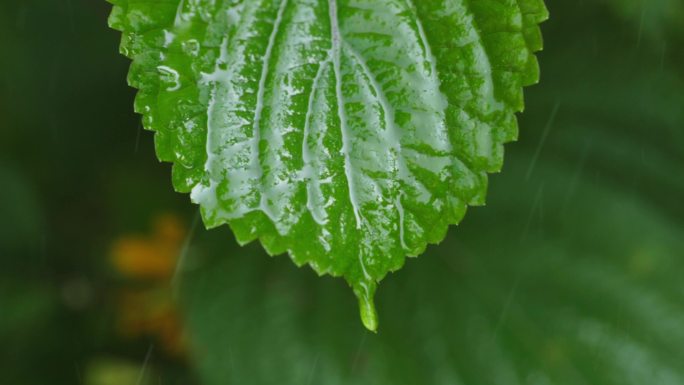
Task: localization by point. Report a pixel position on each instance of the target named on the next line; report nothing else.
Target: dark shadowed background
(570, 275)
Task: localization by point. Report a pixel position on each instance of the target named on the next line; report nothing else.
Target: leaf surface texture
(348, 133)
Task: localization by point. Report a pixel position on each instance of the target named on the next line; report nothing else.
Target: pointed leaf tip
(365, 292)
(369, 316)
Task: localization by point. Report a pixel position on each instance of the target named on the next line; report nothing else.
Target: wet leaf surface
(348, 133)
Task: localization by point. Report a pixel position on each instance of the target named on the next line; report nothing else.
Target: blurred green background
(572, 274)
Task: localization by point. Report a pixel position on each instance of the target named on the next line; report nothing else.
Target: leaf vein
(261, 91)
(336, 57)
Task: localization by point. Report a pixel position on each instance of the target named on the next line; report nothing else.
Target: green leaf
(573, 277)
(349, 133)
(581, 286)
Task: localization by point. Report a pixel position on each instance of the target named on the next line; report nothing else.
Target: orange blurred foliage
(148, 308)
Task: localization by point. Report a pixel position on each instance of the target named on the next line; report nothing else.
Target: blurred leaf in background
(570, 275)
(108, 371)
(655, 19)
(76, 173)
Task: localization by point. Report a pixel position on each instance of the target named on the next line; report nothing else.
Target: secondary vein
(256, 133)
(346, 145)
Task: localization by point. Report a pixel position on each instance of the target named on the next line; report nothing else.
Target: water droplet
(191, 47)
(170, 76)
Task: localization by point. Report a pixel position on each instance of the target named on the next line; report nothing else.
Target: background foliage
(570, 275)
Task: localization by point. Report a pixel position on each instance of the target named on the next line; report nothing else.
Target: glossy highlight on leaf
(348, 133)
